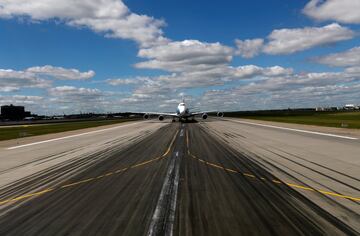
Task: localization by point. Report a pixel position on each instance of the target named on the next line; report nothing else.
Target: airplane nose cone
(181, 111)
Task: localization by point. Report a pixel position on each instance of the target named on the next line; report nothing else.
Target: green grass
(21, 131)
(330, 119)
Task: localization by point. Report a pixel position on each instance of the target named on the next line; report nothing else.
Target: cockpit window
(182, 104)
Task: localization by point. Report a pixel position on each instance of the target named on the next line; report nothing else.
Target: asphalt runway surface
(175, 179)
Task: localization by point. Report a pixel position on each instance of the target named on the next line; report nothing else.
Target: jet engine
(220, 114)
(146, 116)
(161, 117)
(204, 116)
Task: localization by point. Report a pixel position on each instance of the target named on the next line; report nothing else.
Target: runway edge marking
(295, 130)
(70, 136)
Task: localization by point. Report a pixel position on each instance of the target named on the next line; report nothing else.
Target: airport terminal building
(11, 112)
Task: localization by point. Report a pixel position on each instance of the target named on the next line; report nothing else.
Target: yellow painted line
(26, 196)
(77, 183)
(249, 175)
(299, 186)
(277, 181)
(172, 142)
(274, 181)
(322, 191)
(94, 178)
(167, 151)
(144, 163)
(121, 170)
(339, 195)
(214, 165)
(231, 170)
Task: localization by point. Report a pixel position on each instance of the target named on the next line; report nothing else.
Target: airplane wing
(196, 113)
(162, 114)
(158, 114)
(206, 112)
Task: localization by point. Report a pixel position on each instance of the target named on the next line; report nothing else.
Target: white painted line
(156, 218)
(163, 218)
(296, 130)
(171, 219)
(71, 136)
(181, 132)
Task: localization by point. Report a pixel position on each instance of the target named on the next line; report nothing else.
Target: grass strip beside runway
(329, 119)
(21, 131)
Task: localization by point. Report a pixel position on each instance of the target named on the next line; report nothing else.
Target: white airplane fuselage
(182, 111)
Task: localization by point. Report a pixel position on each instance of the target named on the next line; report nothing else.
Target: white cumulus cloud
(61, 73)
(187, 55)
(71, 91)
(38, 77)
(287, 41)
(344, 11)
(249, 48)
(111, 17)
(128, 81)
(348, 58)
(12, 80)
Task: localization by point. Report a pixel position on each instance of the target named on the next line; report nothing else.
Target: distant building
(326, 108)
(350, 107)
(11, 112)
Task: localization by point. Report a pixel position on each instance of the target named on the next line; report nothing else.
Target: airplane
(183, 113)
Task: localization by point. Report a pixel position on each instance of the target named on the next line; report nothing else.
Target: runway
(151, 178)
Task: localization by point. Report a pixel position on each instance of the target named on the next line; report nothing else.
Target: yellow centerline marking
(230, 170)
(338, 195)
(172, 142)
(93, 178)
(276, 181)
(26, 196)
(262, 178)
(249, 175)
(77, 183)
(121, 170)
(143, 163)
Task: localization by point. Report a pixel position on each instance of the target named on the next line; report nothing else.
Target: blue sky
(106, 56)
